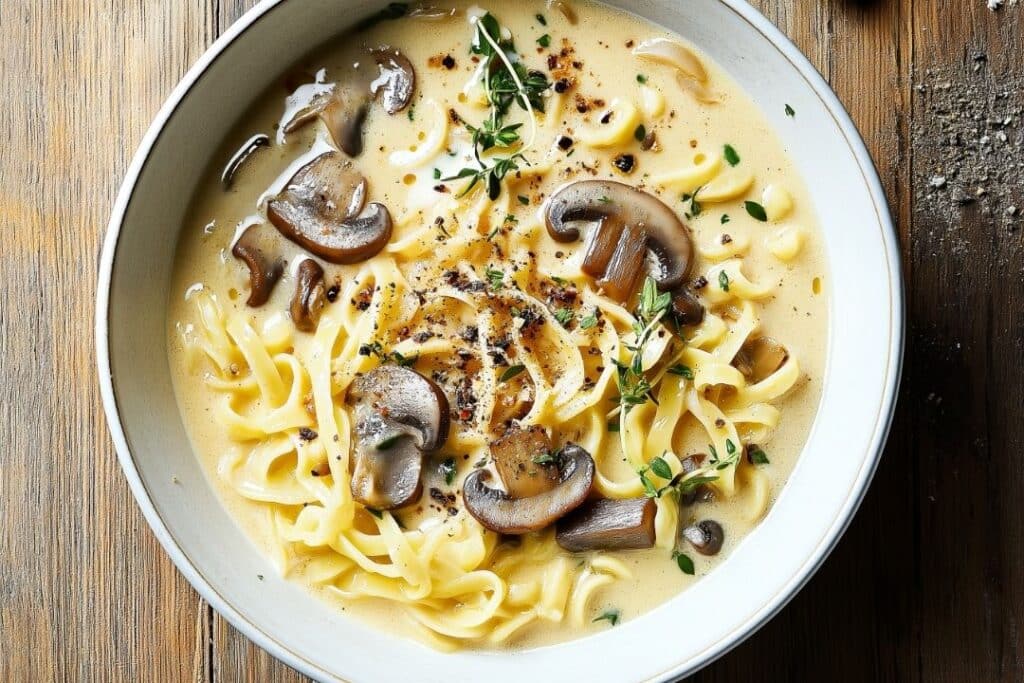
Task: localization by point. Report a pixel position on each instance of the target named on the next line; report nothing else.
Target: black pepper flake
(307, 434)
(607, 117)
(565, 142)
(470, 334)
(448, 62)
(700, 283)
(726, 238)
(561, 85)
(332, 293)
(625, 163)
(440, 188)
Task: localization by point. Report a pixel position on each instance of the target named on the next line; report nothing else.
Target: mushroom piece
(320, 211)
(630, 223)
(499, 512)
(702, 492)
(309, 297)
(525, 462)
(686, 307)
(759, 357)
(607, 524)
(399, 416)
(227, 176)
(565, 8)
(706, 537)
(343, 106)
(255, 247)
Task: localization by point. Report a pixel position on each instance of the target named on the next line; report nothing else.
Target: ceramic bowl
(863, 367)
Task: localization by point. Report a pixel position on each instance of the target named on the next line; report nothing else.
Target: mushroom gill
(399, 416)
(759, 358)
(321, 209)
(498, 511)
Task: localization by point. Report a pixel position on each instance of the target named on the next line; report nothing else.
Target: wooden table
(928, 583)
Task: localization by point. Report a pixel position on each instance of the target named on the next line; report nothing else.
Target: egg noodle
(283, 405)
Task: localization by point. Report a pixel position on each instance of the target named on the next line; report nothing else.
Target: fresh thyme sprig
(634, 387)
(506, 81)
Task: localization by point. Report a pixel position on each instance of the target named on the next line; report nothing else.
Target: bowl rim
(743, 630)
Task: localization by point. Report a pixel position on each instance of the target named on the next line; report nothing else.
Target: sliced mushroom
(759, 357)
(630, 223)
(706, 537)
(343, 106)
(565, 8)
(320, 211)
(702, 492)
(227, 176)
(255, 246)
(310, 295)
(607, 524)
(686, 307)
(525, 462)
(399, 416)
(499, 512)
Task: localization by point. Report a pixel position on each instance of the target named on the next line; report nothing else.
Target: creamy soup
(499, 325)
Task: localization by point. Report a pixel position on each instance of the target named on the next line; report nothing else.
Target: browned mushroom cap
(760, 357)
(400, 414)
(525, 462)
(344, 105)
(606, 524)
(255, 246)
(499, 512)
(630, 223)
(318, 211)
(706, 536)
(309, 296)
(686, 307)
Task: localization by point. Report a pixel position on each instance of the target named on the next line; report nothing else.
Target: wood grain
(927, 584)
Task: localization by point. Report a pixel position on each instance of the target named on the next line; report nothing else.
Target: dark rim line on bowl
(747, 627)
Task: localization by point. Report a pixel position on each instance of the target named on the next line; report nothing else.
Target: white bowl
(761, 575)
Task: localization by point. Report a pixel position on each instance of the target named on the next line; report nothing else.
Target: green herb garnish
(640, 133)
(545, 458)
(723, 281)
(541, 20)
(684, 562)
(611, 616)
(695, 206)
(640, 78)
(661, 468)
(681, 370)
(510, 372)
(730, 155)
(544, 40)
(589, 321)
(495, 277)
(725, 219)
(564, 316)
(756, 211)
(790, 111)
(613, 426)
(524, 200)
(756, 455)
(447, 468)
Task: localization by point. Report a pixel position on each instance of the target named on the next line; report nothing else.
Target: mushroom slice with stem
(627, 215)
(759, 357)
(309, 297)
(525, 461)
(498, 511)
(319, 210)
(255, 246)
(399, 416)
(607, 524)
(343, 105)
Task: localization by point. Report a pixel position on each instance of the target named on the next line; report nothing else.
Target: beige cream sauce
(796, 315)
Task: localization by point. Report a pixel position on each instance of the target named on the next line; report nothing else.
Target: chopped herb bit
(559, 280)
(681, 370)
(604, 199)
(730, 447)
(695, 206)
(684, 562)
(589, 321)
(388, 443)
(541, 20)
(730, 155)
(756, 211)
(640, 78)
(640, 133)
(524, 200)
(544, 40)
(714, 452)
(611, 616)
(494, 231)
(661, 468)
(723, 281)
(790, 111)
(545, 458)
(447, 468)
(564, 316)
(756, 455)
(404, 361)
(495, 277)
(613, 426)
(725, 218)
(411, 113)
(482, 462)
(510, 372)
(437, 174)
(687, 485)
